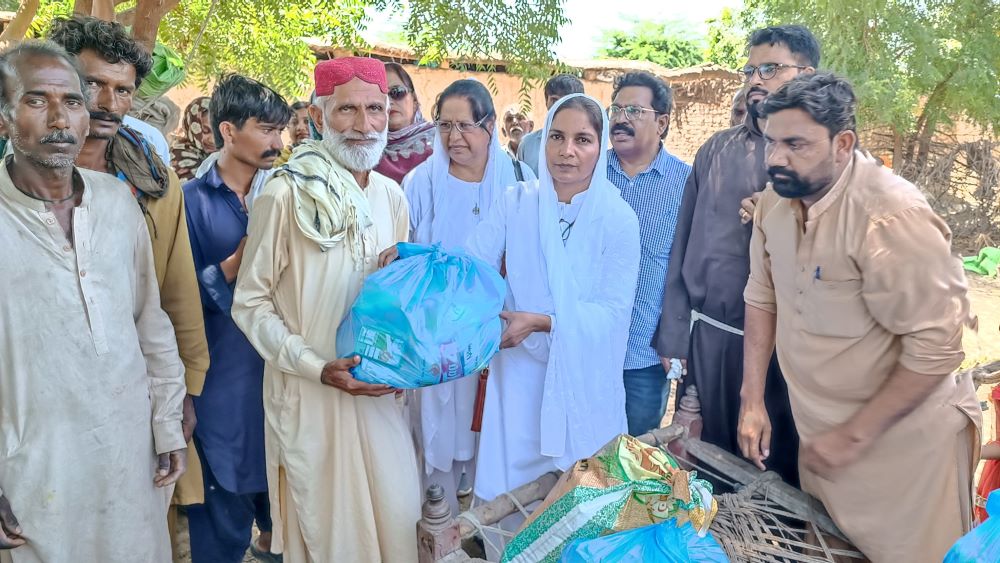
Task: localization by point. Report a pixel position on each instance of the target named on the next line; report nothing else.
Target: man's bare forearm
(758, 345)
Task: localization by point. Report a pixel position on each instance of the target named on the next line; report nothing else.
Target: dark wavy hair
(31, 48)
(826, 97)
(237, 98)
(299, 105)
(799, 40)
(663, 96)
(108, 39)
(477, 95)
(563, 85)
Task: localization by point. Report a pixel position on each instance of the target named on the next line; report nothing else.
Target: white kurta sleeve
(265, 256)
(159, 349)
(611, 305)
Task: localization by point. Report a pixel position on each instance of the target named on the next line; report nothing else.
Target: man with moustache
(248, 119)
(853, 278)
(340, 459)
(652, 181)
(515, 126)
(702, 318)
(92, 386)
(114, 65)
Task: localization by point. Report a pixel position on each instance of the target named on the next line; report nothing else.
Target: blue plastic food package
(664, 543)
(982, 544)
(430, 317)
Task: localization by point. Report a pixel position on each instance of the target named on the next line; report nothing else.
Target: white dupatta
(583, 403)
(426, 185)
(446, 410)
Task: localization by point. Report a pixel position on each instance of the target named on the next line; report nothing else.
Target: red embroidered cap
(334, 72)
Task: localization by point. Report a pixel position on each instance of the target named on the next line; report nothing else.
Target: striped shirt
(655, 195)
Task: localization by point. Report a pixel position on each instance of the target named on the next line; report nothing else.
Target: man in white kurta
(91, 384)
(342, 472)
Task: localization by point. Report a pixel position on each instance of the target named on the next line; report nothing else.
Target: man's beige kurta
(341, 469)
(867, 283)
(91, 384)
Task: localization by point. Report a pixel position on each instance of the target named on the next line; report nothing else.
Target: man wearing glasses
(702, 317)
(651, 180)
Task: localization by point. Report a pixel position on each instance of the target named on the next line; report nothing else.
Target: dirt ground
(980, 347)
(984, 346)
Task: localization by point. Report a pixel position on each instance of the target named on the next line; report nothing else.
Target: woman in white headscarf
(571, 247)
(449, 195)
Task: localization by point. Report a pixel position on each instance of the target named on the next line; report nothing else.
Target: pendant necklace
(71, 195)
(479, 198)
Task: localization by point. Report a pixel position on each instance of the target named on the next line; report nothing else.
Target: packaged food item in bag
(982, 544)
(626, 485)
(427, 318)
(665, 542)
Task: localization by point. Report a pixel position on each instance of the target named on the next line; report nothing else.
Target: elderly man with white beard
(341, 468)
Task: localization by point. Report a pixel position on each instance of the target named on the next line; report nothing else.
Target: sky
(589, 18)
(581, 38)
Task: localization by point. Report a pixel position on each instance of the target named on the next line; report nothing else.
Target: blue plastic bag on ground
(664, 543)
(982, 544)
(429, 317)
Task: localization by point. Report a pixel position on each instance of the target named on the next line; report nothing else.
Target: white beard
(356, 158)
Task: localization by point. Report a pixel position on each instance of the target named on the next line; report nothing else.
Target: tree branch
(104, 10)
(126, 18)
(147, 21)
(18, 27)
(83, 7)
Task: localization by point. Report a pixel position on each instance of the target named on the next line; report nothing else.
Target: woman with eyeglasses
(570, 244)
(411, 137)
(449, 195)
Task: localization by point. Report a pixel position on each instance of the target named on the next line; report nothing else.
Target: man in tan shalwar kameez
(852, 276)
(341, 469)
(91, 384)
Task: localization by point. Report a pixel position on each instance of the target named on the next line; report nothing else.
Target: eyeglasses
(632, 113)
(445, 127)
(398, 92)
(766, 71)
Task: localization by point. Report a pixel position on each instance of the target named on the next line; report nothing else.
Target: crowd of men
(173, 344)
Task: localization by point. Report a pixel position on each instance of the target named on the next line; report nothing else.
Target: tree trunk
(897, 151)
(19, 25)
(83, 7)
(104, 10)
(147, 20)
(924, 145)
(126, 18)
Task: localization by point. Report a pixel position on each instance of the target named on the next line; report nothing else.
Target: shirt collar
(8, 188)
(827, 201)
(659, 163)
(212, 177)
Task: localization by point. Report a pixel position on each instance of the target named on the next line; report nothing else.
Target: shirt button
(67, 248)
(83, 273)
(50, 221)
